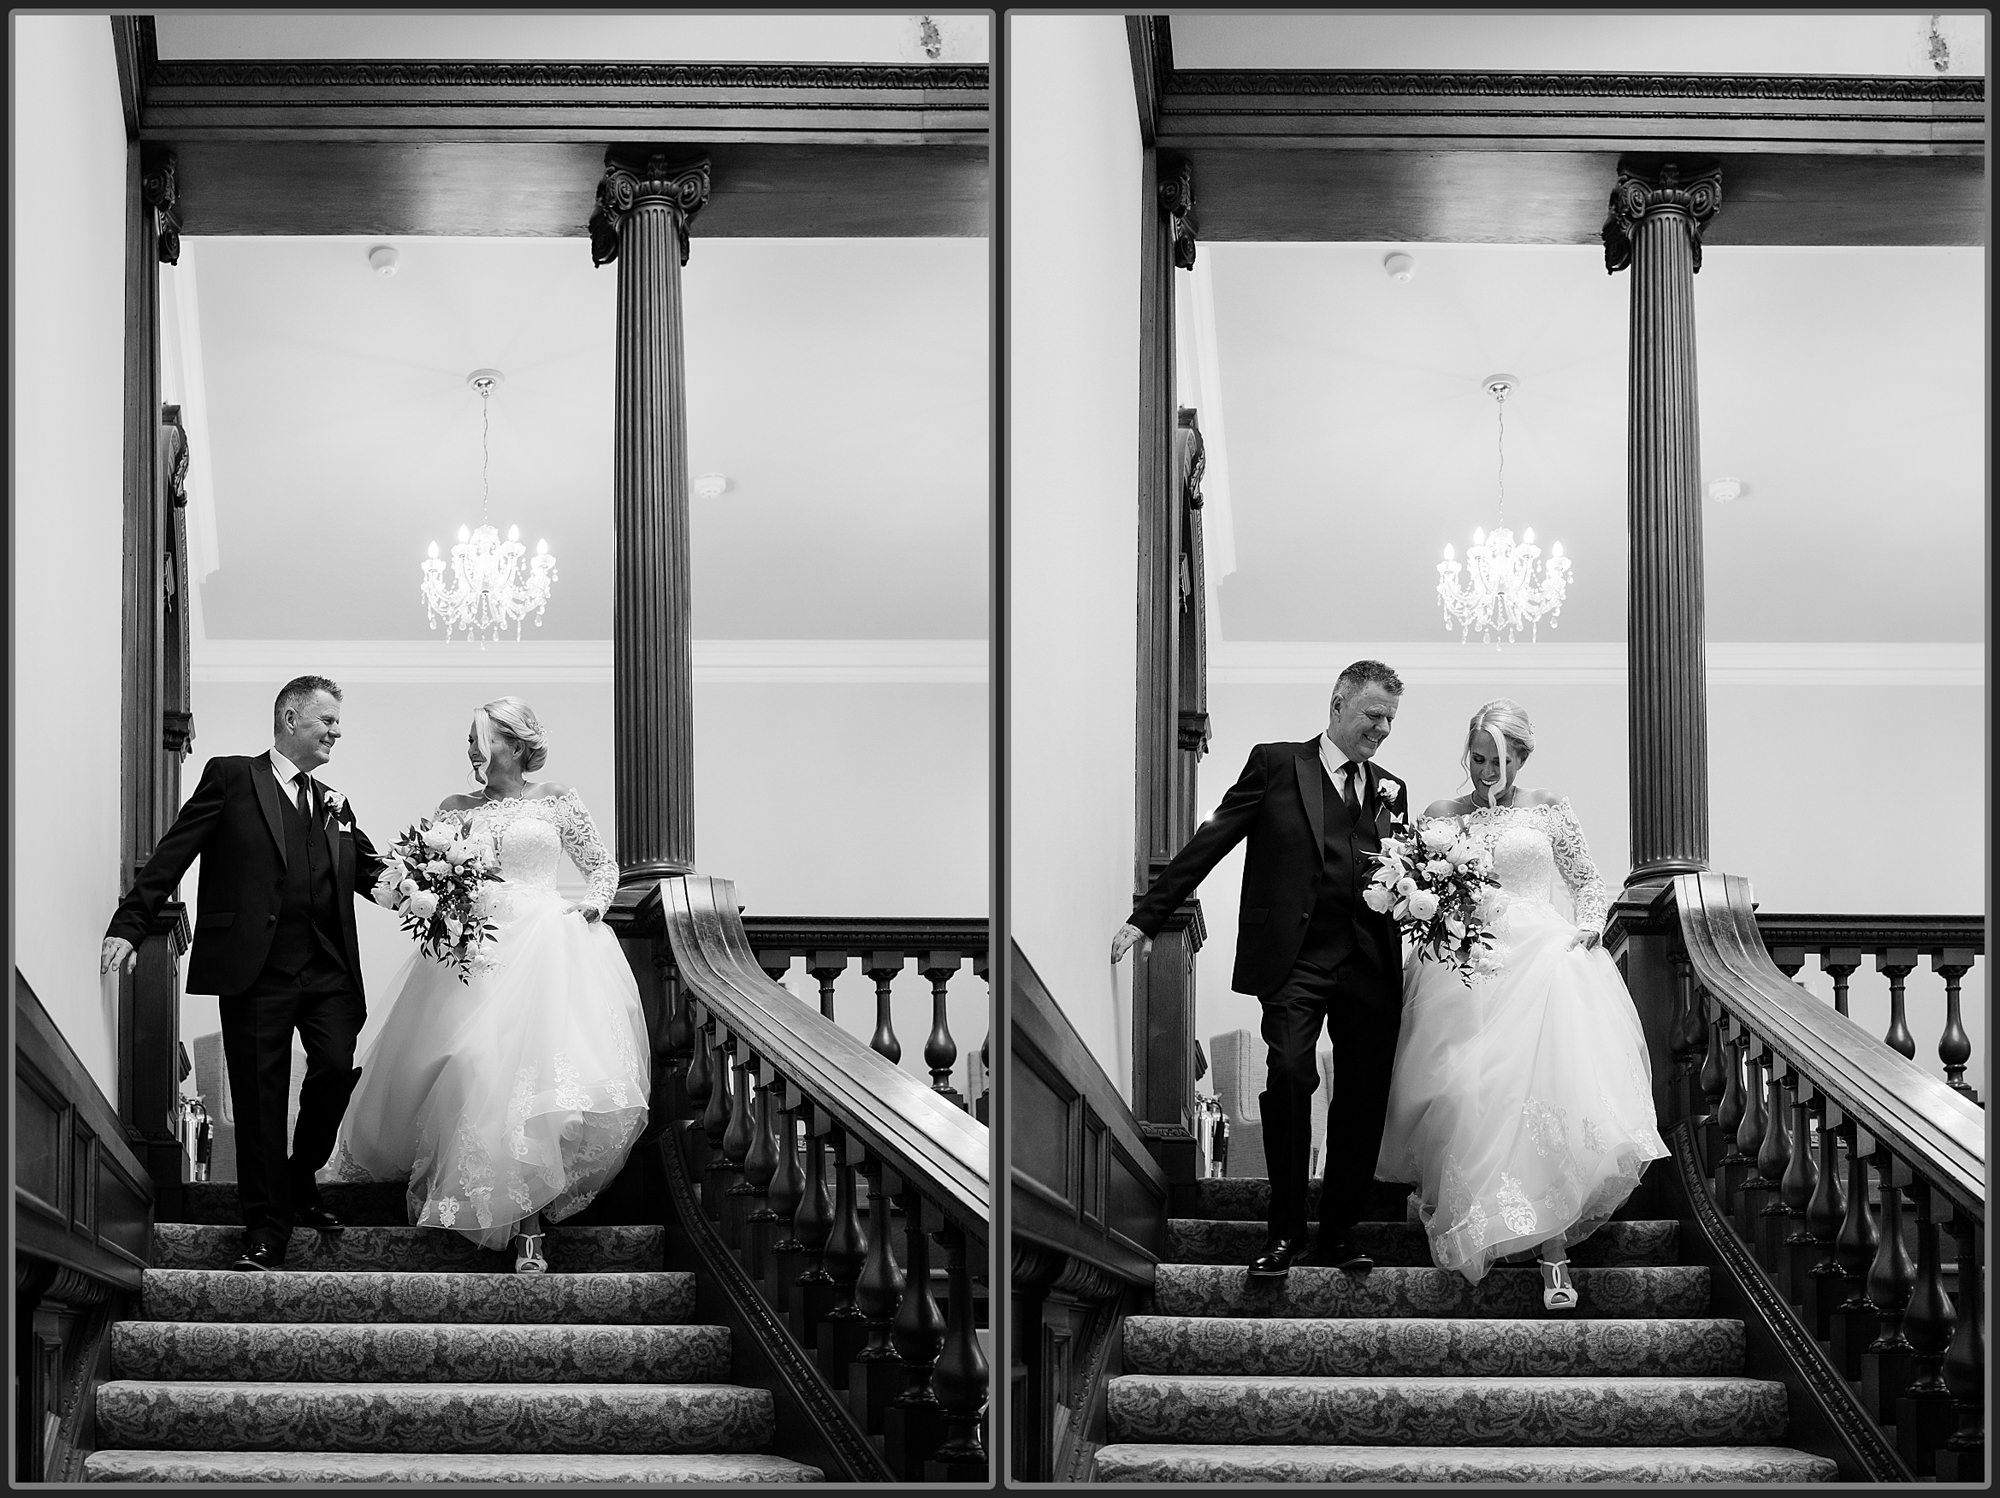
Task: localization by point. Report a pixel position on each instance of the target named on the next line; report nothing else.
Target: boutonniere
(336, 805)
(1388, 789)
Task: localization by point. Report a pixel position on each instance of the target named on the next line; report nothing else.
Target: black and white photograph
(502, 795)
(1496, 747)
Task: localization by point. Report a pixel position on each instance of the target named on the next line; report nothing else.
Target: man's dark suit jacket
(234, 822)
(1279, 803)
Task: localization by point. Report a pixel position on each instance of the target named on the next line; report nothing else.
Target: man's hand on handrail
(1128, 937)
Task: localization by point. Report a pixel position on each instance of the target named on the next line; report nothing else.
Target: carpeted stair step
(1550, 1466)
(1450, 1347)
(570, 1250)
(385, 1468)
(1444, 1411)
(364, 1203)
(1248, 1199)
(1202, 1240)
(1224, 1290)
(655, 1298)
(335, 1353)
(434, 1418)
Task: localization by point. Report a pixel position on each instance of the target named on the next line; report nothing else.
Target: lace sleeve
(1579, 874)
(586, 849)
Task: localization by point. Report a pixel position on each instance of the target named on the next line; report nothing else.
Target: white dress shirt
(1335, 762)
(289, 776)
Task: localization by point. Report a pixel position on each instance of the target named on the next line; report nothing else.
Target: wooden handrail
(1923, 933)
(918, 1133)
(907, 933)
(1920, 1118)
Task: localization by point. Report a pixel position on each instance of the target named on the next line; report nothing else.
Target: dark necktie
(305, 798)
(1353, 801)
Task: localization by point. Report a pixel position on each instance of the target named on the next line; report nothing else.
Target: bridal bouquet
(434, 874)
(1436, 882)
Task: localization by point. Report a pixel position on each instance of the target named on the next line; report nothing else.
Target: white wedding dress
(523, 1089)
(1521, 1107)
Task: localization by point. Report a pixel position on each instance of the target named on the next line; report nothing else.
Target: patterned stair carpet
(1409, 1374)
(388, 1353)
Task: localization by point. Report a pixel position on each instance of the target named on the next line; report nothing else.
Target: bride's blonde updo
(1504, 721)
(514, 719)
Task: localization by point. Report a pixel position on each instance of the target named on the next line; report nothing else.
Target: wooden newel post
(645, 201)
(1659, 209)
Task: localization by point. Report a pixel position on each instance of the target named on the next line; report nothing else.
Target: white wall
(1782, 805)
(67, 513)
(1073, 315)
(816, 799)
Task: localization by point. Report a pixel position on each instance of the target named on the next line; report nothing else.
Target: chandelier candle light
(1505, 586)
(490, 587)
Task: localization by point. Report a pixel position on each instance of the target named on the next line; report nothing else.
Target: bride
(1521, 1106)
(515, 1096)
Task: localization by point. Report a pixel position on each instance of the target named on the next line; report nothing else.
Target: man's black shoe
(1277, 1259)
(261, 1256)
(1344, 1254)
(319, 1219)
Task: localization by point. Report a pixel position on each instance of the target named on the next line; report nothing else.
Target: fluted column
(644, 202)
(1659, 210)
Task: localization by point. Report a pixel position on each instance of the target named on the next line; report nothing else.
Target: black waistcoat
(1337, 891)
(309, 918)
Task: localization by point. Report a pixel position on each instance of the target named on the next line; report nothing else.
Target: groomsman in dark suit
(281, 862)
(1311, 952)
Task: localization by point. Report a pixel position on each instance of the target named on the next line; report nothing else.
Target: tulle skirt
(519, 1091)
(1521, 1108)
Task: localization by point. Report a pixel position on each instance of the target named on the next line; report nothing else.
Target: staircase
(389, 1353)
(1409, 1374)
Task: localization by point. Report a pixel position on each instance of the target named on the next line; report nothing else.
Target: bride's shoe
(528, 1254)
(1558, 1290)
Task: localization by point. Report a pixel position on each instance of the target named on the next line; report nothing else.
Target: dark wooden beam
(1152, 50)
(545, 188)
(1459, 196)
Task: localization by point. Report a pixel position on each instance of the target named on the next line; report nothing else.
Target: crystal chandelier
(1506, 587)
(490, 587)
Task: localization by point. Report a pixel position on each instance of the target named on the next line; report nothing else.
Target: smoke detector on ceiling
(1400, 267)
(710, 485)
(382, 260)
(1725, 491)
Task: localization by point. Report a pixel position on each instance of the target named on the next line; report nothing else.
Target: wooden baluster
(1963, 1458)
(915, 1421)
(1711, 1079)
(736, 1141)
(1825, 1281)
(1750, 1197)
(826, 967)
(1729, 1116)
(1925, 1417)
(700, 1078)
(1697, 1034)
(1796, 1188)
(844, 1327)
(714, 1125)
(1774, 1155)
(1885, 1366)
(1954, 1046)
(787, 1192)
(760, 1166)
(877, 1376)
(812, 1225)
(1679, 1031)
(1839, 964)
(882, 967)
(1896, 964)
(982, 1106)
(940, 1050)
(961, 1379)
(1855, 1319)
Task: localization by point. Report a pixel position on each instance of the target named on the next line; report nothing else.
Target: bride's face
(1484, 764)
(507, 754)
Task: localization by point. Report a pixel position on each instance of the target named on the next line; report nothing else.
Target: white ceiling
(840, 384)
(1846, 388)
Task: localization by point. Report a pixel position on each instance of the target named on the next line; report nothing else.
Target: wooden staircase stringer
(1826, 1419)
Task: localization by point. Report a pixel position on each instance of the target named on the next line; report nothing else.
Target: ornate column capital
(1177, 202)
(646, 178)
(1193, 457)
(1648, 185)
(160, 191)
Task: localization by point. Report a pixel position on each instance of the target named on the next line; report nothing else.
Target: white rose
(1377, 898)
(1437, 868)
(1389, 789)
(423, 904)
(1423, 905)
(1406, 886)
(1438, 835)
(437, 866)
(437, 836)
(407, 887)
